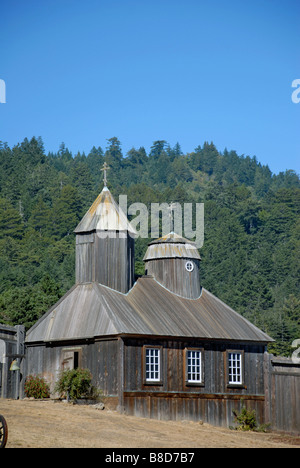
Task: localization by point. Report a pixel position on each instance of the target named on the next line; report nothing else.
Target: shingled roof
(105, 215)
(171, 246)
(92, 310)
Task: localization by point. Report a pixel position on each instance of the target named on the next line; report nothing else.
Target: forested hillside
(250, 256)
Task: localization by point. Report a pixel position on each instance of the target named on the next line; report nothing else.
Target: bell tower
(105, 244)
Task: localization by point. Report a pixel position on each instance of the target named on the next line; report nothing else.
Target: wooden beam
(203, 396)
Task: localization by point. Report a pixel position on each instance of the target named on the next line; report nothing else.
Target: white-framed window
(152, 364)
(193, 365)
(235, 367)
(189, 266)
(194, 374)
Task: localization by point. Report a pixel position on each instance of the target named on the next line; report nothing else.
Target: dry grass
(41, 424)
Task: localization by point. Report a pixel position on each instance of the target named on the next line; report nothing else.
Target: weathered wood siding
(271, 385)
(100, 357)
(108, 260)
(172, 273)
(114, 262)
(212, 402)
(282, 388)
(85, 255)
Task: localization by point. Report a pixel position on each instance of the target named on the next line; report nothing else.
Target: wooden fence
(282, 394)
(11, 348)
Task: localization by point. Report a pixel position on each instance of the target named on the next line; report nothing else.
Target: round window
(189, 266)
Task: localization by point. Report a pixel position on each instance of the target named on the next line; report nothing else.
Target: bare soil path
(48, 424)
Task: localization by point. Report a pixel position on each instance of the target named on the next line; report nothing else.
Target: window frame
(73, 356)
(193, 383)
(146, 380)
(189, 266)
(241, 382)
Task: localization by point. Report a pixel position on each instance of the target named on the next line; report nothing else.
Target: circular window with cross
(189, 266)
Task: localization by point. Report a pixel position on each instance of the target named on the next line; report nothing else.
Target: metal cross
(104, 169)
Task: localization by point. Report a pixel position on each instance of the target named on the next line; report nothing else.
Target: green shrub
(36, 387)
(74, 383)
(246, 419)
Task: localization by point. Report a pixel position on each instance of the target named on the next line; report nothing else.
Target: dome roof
(171, 245)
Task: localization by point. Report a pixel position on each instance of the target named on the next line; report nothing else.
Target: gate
(282, 394)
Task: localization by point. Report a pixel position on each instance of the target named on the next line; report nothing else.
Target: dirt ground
(49, 424)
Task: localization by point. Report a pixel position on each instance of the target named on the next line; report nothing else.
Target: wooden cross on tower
(104, 169)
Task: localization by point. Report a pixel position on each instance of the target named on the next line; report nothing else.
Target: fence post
(267, 388)
(20, 350)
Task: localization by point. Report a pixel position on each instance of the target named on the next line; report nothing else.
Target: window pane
(194, 366)
(235, 368)
(152, 364)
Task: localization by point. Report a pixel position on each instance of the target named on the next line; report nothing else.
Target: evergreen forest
(250, 255)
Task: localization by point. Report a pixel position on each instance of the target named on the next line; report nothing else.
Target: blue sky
(185, 71)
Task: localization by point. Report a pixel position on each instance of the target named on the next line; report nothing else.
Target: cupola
(174, 262)
(105, 244)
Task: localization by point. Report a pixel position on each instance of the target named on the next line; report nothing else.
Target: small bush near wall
(74, 383)
(36, 387)
(246, 419)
